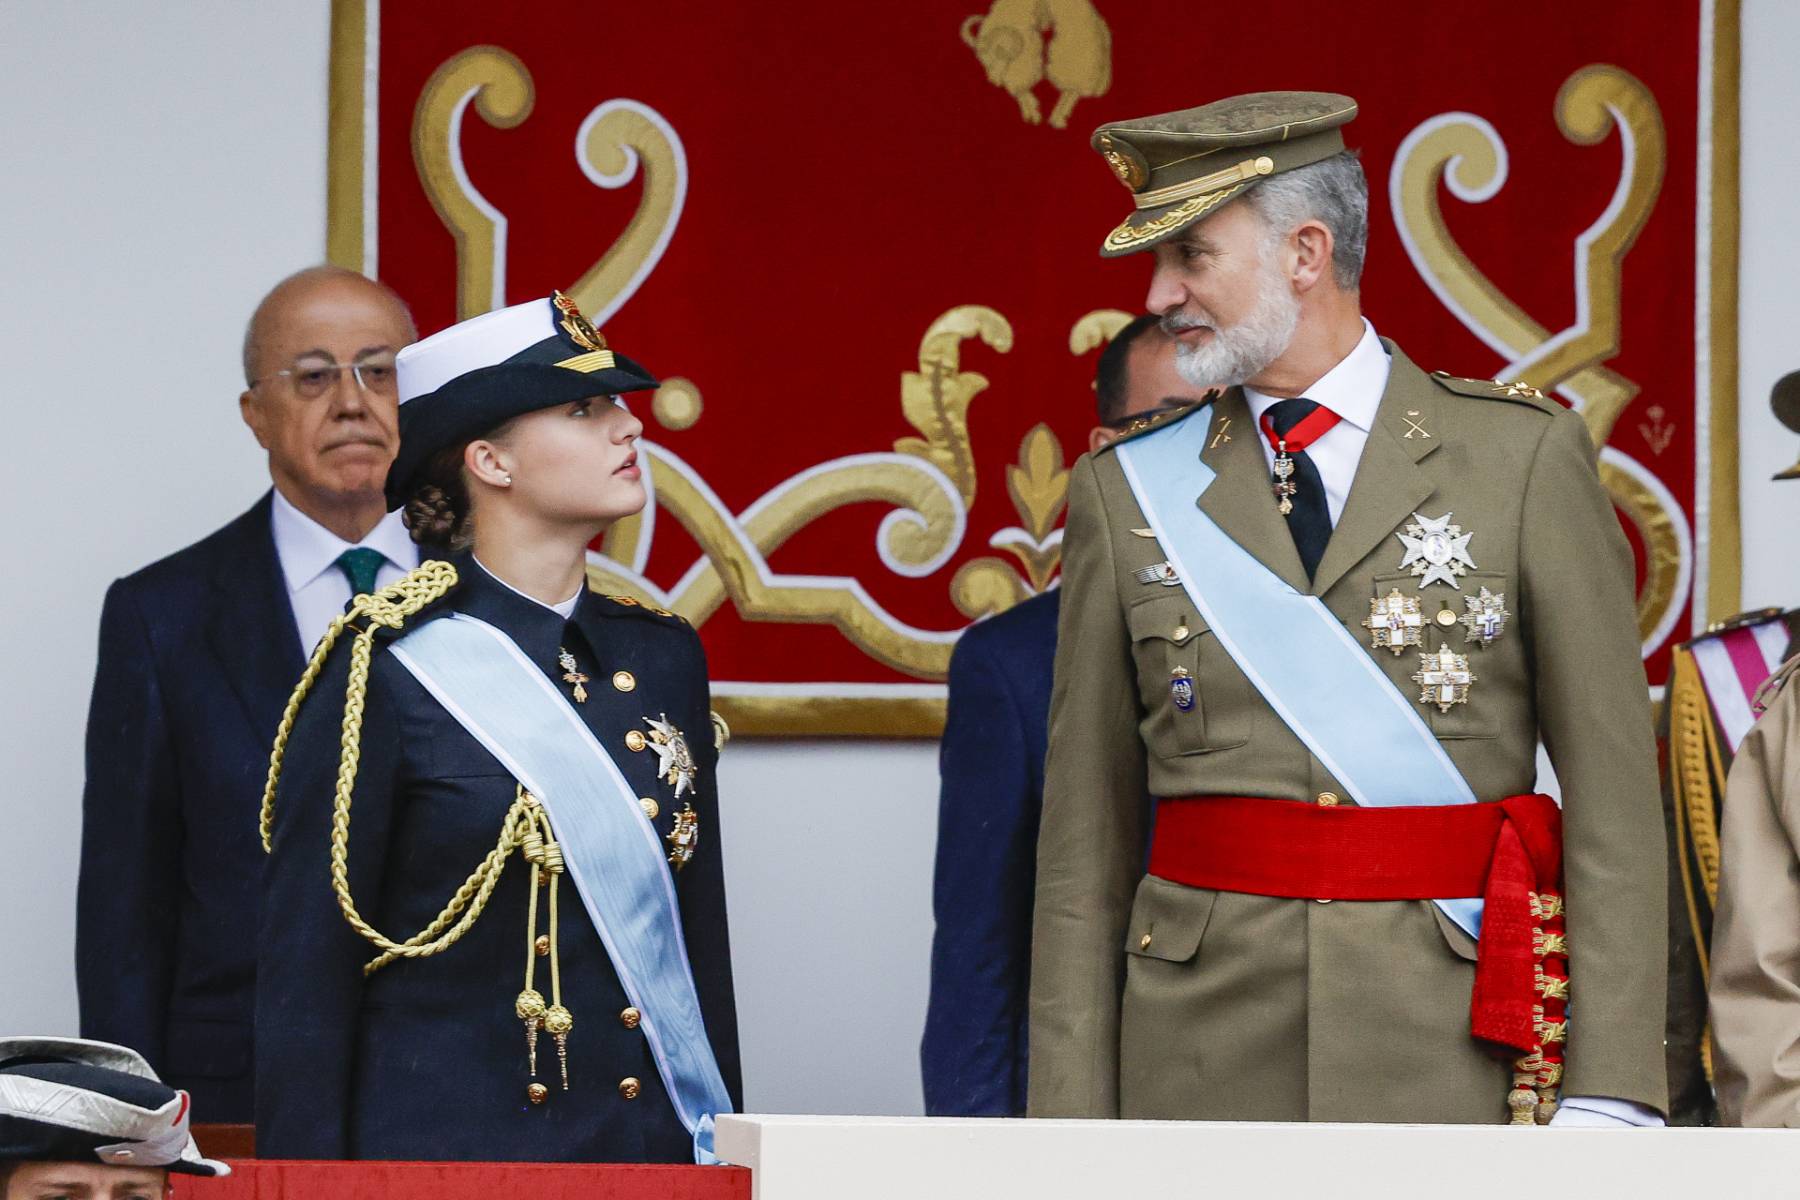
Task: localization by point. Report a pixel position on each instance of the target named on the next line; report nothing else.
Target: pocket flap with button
(1168, 920)
(1169, 618)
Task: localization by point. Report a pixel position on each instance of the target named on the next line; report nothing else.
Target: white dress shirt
(308, 552)
(1352, 390)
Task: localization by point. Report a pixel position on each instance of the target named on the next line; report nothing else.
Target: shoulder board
(631, 606)
(1143, 425)
(1783, 675)
(1495, 389)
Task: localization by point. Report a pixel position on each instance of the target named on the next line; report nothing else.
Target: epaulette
(1496, 389)
(1143, 425)
(631, 606)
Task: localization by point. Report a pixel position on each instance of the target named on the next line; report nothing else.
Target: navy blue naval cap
(68, 1100)
(466, 380)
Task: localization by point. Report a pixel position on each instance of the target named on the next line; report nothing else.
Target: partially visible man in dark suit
(198, 654)
(991, 762)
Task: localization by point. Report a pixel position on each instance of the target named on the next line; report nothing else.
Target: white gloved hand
(1604, 1112)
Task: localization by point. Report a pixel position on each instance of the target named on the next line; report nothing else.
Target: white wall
(163, 164)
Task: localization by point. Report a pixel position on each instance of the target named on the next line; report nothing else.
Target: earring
(509, 481)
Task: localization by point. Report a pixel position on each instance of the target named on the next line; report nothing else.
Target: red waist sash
(1509, 853)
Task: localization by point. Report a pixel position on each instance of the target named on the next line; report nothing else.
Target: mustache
(1179, 322)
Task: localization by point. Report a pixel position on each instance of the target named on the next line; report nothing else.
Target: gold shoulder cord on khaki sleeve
(526, 827)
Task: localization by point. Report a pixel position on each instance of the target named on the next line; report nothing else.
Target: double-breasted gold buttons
(625, 681)
(650, 806)
(631, 1018)
(635, 741)
(630, 1088)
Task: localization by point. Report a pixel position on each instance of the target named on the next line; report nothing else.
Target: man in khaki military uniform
(1424, 577)
(1755, 988)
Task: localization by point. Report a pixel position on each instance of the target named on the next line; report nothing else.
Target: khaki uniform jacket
(1154, 1000)
(1755, 990)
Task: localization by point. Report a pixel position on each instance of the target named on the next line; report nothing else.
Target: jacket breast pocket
(1441, 627)
(1193, 694)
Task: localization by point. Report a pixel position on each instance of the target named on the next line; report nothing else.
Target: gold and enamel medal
(1394, 622)
(1443, 678)
(572, 675)
(1485, 618)
(684, 838)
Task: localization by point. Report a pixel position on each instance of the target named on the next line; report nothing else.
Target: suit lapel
(1240, 501)
(1389, 485)
(251, 627)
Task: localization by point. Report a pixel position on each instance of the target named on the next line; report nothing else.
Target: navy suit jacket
(991, 763)
(197, 656)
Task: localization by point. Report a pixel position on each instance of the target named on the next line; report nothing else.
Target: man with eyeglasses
(198, 654)
(991, 771)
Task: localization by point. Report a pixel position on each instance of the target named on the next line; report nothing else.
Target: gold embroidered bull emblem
(1009, 42)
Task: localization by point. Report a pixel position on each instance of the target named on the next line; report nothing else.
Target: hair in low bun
(438, 513)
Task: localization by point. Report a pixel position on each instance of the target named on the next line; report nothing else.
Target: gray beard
(1236, 355)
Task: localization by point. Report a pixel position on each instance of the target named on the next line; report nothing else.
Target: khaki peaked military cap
(1181, 166)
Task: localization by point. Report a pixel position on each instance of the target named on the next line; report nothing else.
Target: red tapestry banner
(860, 246)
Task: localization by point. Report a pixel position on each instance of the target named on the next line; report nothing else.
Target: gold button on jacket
(1262, 1008)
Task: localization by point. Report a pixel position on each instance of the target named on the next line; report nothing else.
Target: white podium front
(914, 1158)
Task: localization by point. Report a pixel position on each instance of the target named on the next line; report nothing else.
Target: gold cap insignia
(1131, 173)
(576, 325)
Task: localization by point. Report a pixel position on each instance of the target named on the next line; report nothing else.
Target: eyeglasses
(314, 377)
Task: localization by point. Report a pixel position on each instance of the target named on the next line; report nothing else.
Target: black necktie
(1310, 522)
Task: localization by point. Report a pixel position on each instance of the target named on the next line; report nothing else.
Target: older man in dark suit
(198, 653)
(991, 763)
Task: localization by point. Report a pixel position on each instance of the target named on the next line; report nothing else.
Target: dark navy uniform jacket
(991, 763)
(197, 656)
(426, 1059)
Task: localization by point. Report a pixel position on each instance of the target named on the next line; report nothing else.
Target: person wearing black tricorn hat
(495, 910)
(90, 1119)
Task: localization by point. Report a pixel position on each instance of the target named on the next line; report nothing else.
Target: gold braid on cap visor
(1128, 235)
(1250, 168)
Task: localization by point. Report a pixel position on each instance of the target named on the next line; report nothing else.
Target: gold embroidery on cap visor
(1129, 236)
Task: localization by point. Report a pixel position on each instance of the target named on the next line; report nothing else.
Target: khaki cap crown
(1180, 166)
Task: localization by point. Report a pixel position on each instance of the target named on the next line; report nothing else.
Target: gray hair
(1332, 192)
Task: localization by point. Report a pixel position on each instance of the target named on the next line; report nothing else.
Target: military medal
(1443, 678)
(684, 838)
(1394, 622)
(1305, 432)
(1181, 688)
(1162, 572)
(674, 763)
(571, 675)
(1486, 617)
(1436, 550)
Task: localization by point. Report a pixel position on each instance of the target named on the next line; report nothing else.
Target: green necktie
(359, 566)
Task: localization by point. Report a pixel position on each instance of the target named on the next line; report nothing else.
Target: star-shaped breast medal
(1436, 550)
(674, 763)
(1486, 617)
(1443, 679)
(1394, 622)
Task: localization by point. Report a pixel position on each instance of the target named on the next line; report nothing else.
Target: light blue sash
(1321, 681)
(612, 852)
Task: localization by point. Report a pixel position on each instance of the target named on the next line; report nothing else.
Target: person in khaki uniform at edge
(1754, 993)
(1459, 523)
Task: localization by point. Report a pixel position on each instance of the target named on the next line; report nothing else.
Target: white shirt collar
(307, 549)
(565, 610)
(1352, 389)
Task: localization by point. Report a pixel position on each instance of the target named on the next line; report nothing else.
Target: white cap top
(425, 366)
